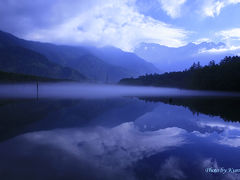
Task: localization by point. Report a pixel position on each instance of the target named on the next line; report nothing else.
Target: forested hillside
(24, 61)
(222, 76)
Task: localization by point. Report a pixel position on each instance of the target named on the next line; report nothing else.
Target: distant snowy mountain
(175, 59)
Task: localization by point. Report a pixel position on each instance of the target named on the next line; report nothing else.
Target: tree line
(222, 76)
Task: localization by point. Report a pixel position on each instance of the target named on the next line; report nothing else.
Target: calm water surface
(82, 132)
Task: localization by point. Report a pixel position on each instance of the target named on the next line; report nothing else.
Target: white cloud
(213, 8)
(172, 7)
(231, 37)
(231, 33)
(233, 1)
(231, 49)
(199, 41)
(113, 22)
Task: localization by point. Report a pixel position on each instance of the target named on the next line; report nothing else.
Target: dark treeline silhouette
(8, 77)
(226, 108)
(223, 76)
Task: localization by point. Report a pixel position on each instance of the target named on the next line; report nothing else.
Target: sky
(123, 23)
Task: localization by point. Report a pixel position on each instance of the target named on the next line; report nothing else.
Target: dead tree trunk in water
(107, 79)
(37, 90)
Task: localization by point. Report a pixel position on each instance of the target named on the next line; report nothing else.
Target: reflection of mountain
(35, 115)
(104, 112)
(165, 116)
(95, 63)
(226, 108)
(16, 114)
(176, 59)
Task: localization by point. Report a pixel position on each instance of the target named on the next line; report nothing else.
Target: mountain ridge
(88, 60)
(169, 59)
(17, 59)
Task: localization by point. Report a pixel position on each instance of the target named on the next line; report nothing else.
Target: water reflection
(119, 138)
(225, 107)
(106, 151)
(25, 115)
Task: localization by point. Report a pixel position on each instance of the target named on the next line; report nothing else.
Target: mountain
(97, 69)
(17, 59)
(21, 60)
(95, 63)
(127, 60)
(174, 59)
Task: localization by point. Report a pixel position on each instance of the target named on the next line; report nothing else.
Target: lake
(108, 132)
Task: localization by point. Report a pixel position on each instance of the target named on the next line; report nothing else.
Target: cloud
(18, 16)
(111, 22)
(231, 49)
(201, 40)
(232, 39)
(213, 8)
(231, 33)
(172, 7)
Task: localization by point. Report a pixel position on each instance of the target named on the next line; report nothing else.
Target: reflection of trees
(226, 108)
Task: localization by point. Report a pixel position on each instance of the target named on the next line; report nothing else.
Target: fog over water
(77, 90)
